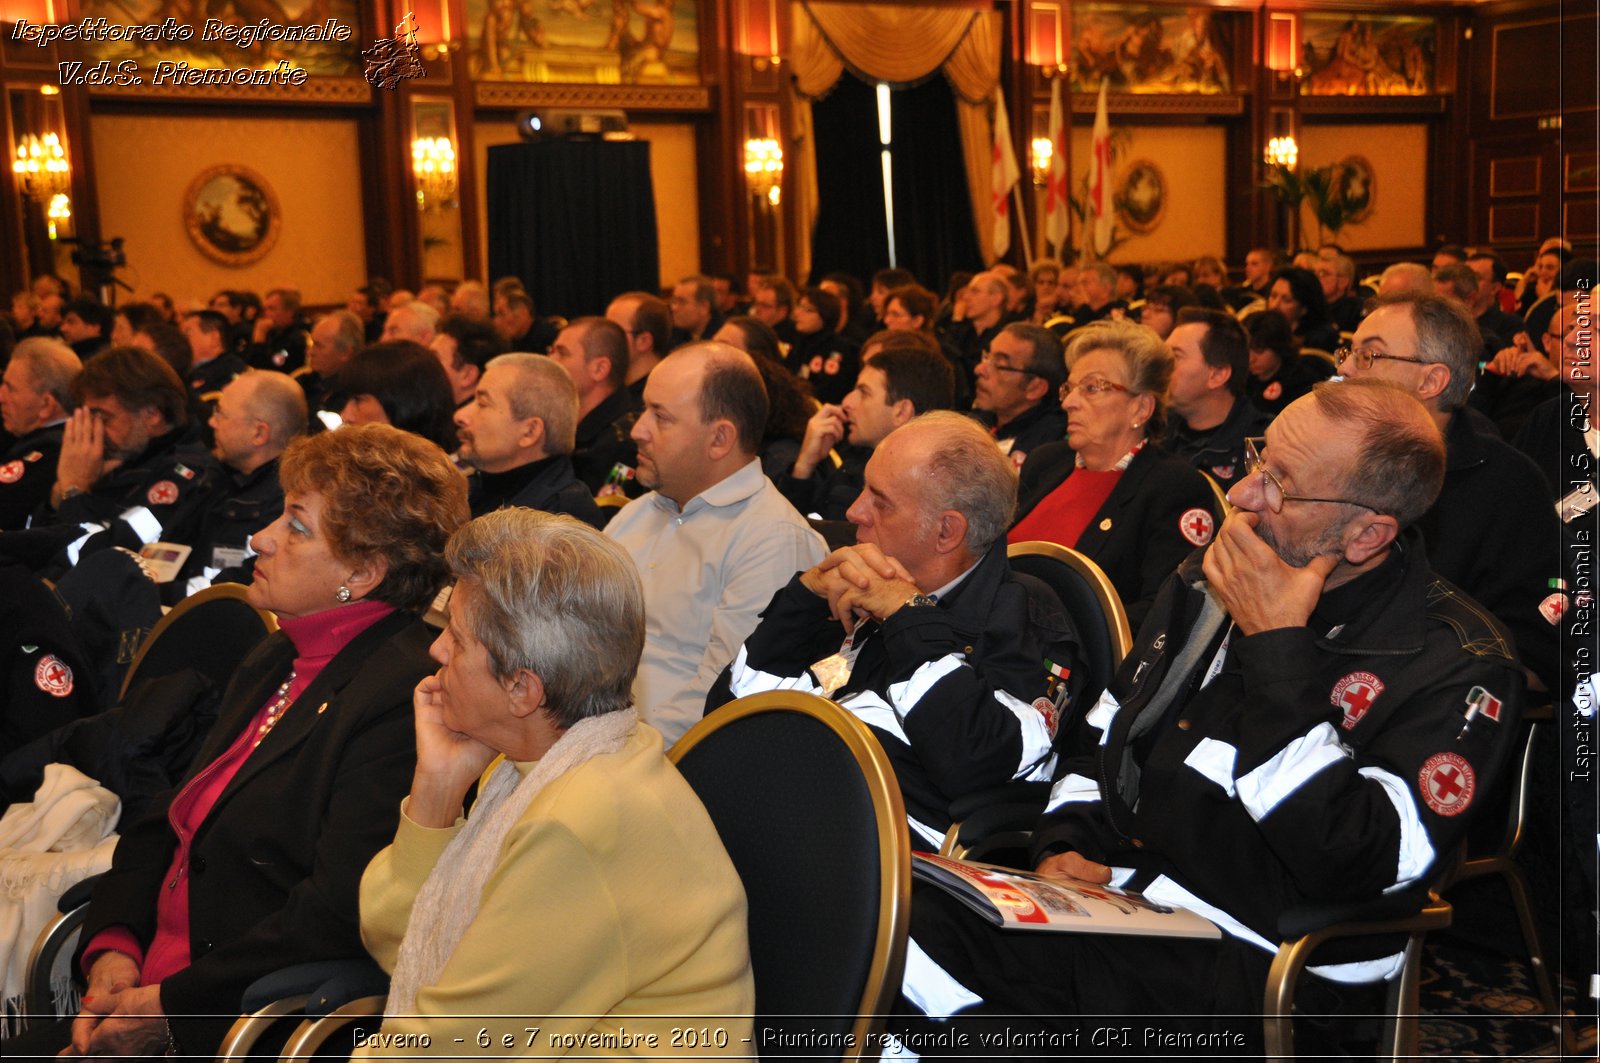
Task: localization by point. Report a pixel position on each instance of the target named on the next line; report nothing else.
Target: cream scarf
(448, 901)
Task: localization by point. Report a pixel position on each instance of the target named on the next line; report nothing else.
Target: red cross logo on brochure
(1447, 783)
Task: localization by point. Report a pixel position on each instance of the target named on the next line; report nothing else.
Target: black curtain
(575, 219)
(932, 208)
(932, 211)
(849, 233)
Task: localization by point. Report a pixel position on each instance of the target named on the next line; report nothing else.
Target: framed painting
(1149, 50)
(1357, 186)
(1141, 197)
(1366, 55)
(232, 215)
(588, 42)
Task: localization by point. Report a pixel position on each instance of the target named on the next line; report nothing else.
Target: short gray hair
(52, 365)
(1399, 469)
(545, 390)
(1447, 336)
(966, 472)
(557, 598)
(1146, 361)
(349, 334)
(279, 401)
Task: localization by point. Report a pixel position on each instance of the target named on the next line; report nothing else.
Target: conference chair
(1001, 819)
(210, 631)
(807, 805)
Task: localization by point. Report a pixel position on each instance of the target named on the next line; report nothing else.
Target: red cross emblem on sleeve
(1197, 526)
(52, 676)
(162, 494)
(11, 472)
(1355, 694)
(1447, 782)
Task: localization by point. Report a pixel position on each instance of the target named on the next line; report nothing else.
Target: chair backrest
(210, 631)
(807, 805)
(1088, 597)
(1218, 496)
(1318, 353)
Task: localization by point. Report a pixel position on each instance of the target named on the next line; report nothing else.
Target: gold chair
(1219, 496)
(808, 807)
(211, 631)
(1320, 354)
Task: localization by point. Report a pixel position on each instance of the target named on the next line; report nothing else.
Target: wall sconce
(1040, 155)
(41, 166)
(433, 164)
(763, 167)
(59, 212)
(1282, 151)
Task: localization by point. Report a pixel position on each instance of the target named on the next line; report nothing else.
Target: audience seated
(255, 418)
(1297, 295)
(584, 839)
(335, 339)
(518, 434)
(647, 322)
(594, 352)
(413, 320)
(1210, 417)
(713, 539)
(943, 655)
(279, 337)
(515, 321)
(694, 311)
(789, 400)
(253, 864)
(132, 469)
(1109, 491)
(1336, 274)
(1162, 306)
(1492, 531)
(772, 301)
(464, 346)
(35, 402)
(86, 326)
(400, 383)
(211, 365)
(819, 353)
(1018, 378)
(1278, 373)
(1227, 779)
(903, 374)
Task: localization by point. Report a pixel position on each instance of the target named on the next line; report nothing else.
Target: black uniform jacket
(605, 441)
(274, 869)
(548, 484)
(27, 472)
(1160, 510)
(1219, 451)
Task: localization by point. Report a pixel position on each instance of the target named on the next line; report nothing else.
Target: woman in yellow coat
(587, 905)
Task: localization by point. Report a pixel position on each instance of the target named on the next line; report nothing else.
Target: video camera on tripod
(98, 262)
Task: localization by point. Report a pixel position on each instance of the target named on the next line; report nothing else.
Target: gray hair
(545, 390)
(1399, 469)
(1406, 278)
(52, 365)
(1104, 270)
(1447, 336)
(1146, 361)
(349, 334)
(557, 598)
(473, 297)
(966, 472)
(276, 399)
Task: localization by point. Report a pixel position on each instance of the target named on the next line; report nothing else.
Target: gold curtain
(895, 43)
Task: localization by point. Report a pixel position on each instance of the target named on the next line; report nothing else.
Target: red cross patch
(1272, 391)
(52, 676)
(162, 494)
(1355, 694)
(10, 472)
(1197, 526)
(1446, 782)
(1052, 716)
(1553, 606)
(1222, 472)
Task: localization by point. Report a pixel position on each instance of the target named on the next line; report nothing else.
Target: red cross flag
(1100, 200)
(1056, 223)
(1003, 176)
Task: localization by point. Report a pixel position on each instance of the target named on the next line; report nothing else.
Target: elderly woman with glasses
(1110, 491)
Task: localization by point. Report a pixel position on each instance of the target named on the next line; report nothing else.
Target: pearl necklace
(280, 701)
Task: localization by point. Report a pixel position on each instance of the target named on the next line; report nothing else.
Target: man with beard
(1309, 717)
(713, 539)
(132, 469)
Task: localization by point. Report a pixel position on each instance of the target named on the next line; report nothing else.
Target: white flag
(1056, 223)
(1003, 176)
(1100, 202)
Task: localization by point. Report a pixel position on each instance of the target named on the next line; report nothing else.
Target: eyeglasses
(1365, 356)
(987, 358)
(1092, 388)
(1272, 491)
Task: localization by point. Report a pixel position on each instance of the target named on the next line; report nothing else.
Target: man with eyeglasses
(1210, 417)
(1309, 717)
(1018, 376)
(1493, 531)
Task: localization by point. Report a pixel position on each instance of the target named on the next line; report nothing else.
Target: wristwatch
(921, 599)
(60, 494)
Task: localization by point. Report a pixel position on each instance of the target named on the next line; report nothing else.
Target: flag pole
(1022, 222)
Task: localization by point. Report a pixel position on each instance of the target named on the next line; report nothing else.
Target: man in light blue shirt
(714, 540)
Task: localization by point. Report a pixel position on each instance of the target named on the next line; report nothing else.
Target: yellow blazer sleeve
(391, 881)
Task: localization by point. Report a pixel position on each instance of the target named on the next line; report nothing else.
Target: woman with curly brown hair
(253, 862)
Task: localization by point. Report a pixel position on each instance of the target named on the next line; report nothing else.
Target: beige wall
(1191, 158)
(1399, 158)
(674, 172)
(145, 165)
